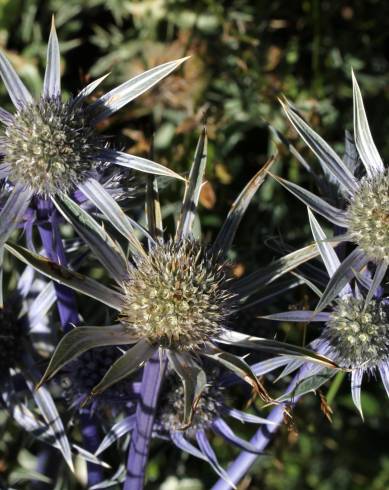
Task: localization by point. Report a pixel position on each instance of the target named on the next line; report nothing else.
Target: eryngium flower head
(174, 298)
(365, 213)
(177, 296)
(211, 415)
(51, 146)
(368, 216)
(358, 334)
(82, 374)
(209, 407)
(355, 334)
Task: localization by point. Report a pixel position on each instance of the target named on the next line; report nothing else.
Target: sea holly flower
(355, 332)
(365, 216)
(211, 415)
(51, 146)
(79, 377)
(175, 297)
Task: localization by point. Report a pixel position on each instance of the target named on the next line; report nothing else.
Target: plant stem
(335, 385)
(68, 314)
(52, 244)
(145, 412)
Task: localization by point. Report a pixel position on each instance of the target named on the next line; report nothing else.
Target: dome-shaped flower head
(50, 145)
(365, 217)
(79, 377)
(176, 297)
(213, 409)
(355, 332)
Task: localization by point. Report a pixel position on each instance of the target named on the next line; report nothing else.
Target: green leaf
(80, 340)
(309, 384)
(239, 367)
(70, 278)
(129, 362)
(193, 379)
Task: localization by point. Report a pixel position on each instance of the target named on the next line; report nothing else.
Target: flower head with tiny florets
(83, 373)
(171, 407)
(177, 296)
(368, 216)
(175, 299)
(364, 215)
(51, 146)
(358, 336)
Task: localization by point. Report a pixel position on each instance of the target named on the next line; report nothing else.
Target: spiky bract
(177, 296)
(172, 403)
(51, 146)
(358, 336)
(368, 216)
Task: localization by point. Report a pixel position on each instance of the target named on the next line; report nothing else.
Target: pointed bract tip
(356, 89)
(53, 23)
(283, 101)
(105, 76)
(273, 176)
(87, 400)
(182, 60)
(361, 413)
(39, 384)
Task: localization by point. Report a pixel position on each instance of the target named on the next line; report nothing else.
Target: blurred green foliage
(245, 54)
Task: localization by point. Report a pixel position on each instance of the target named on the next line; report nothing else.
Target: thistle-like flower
(175, 298)
(358, 334)
(178, 296)
(51, 146)
(355, 332)
(212, 410)
(365, 218)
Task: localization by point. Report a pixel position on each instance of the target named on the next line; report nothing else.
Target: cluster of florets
(85, 372)
(172, 404)
(10, 339)
(368, 216)
(358, 335)
(177, 296)
(51, 146)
